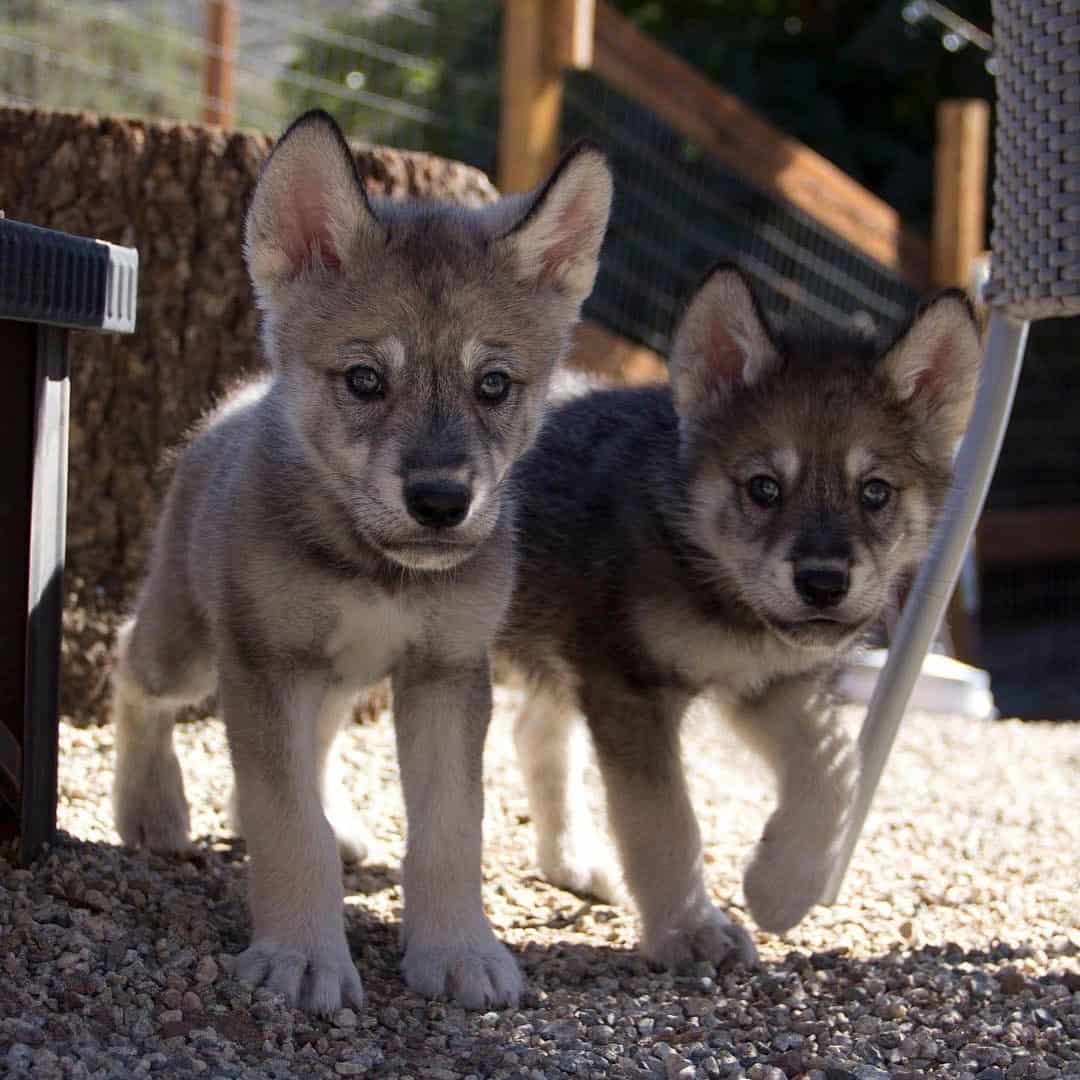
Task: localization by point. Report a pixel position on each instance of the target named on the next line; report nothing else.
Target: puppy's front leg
(637, 747)
(295, 892)
(441, 717)
(794, 726)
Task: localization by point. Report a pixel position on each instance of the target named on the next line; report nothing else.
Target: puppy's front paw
(783, 881)
(477, 976)
(317, 980)
(708, 935)
(150, 809)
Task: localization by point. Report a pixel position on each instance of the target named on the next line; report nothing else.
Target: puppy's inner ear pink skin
(722, 341)
(566, 231)
(557, 243)
(725, 358)
(935, 364)
(308, 237)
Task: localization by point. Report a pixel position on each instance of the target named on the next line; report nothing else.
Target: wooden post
(220, 38)
(540, 39)
(959, 237)
(960, 158)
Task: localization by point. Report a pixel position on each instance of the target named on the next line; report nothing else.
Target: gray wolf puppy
(731, 535)
(345, 519)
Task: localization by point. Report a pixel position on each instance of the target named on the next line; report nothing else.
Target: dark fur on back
(605, 472)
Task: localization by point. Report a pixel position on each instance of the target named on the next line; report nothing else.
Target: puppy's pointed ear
(934, 365)
(309, 206)
(722, 342)
(555, 242)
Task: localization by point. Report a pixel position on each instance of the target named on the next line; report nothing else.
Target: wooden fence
(543, 39)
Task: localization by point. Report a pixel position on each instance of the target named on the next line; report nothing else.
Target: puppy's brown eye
(764, 490)
(364, 382)
(493, 387)
(875, 494)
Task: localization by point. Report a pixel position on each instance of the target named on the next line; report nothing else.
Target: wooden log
(220, 58)
(735, 135)
(960, 162)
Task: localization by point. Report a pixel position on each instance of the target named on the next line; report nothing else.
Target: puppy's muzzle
(822, 587)
(437, 504)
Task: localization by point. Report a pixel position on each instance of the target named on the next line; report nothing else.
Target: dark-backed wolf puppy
(345, 519)
(734, 535)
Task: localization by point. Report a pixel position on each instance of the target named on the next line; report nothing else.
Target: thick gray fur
(289, 571)
(648, 576)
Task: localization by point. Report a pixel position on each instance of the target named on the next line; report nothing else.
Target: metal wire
(384, 69)
(677, 211)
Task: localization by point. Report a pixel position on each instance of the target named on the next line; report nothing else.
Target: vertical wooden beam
(572, 27)
(220, 56)
(540, 39)
(960, 161)
(959, 238)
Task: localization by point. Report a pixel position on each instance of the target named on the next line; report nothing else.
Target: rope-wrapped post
(1035, 274)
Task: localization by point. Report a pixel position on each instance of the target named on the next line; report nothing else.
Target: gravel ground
(953, 954)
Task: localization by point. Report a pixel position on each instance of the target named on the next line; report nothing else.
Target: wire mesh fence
(678, 211)
(393, 71)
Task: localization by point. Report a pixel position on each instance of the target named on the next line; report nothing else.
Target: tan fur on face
(845, 419)
(427, 296)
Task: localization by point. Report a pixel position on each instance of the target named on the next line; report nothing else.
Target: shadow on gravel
(142, 920)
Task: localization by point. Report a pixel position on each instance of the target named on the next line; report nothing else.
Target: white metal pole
(936, 580)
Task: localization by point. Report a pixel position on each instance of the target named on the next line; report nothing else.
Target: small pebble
(207, 971)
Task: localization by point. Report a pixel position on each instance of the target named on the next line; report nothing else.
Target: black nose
(437, 504)
(821, 588)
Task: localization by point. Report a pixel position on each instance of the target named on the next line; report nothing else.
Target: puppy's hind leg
(163, 662)
(549, 736)
(348, 829)
(352, 840)
(795, 728)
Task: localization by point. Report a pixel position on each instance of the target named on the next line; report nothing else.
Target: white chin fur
(428, 556)
(810, 641)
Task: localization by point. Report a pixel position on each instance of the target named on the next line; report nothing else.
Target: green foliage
(63, 54)
(113, 59)
(407, 79)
